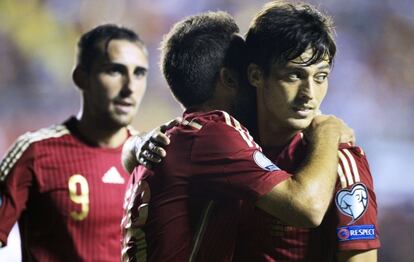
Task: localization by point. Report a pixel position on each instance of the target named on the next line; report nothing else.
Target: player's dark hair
(194, 51)
(89, 45)
(282, 31)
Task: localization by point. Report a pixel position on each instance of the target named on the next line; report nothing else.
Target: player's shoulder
(43, 134)
(348, 148)
(218, 133)
(25, 143)
(222, 126)
(353, 166)
(214, 119)
(204, 123)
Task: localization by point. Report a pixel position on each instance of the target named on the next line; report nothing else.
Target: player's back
(179, 217)
(189, 205)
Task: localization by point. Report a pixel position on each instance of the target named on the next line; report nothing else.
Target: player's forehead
(302, 61)
(122, 52)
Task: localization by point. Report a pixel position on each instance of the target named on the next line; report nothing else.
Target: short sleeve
(355, 201)
(16, 177)
(228, 162)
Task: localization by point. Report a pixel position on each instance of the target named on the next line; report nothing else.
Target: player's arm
(147, 149)
(357, 256)
(303, 199)
(16, 179)
(356, 208)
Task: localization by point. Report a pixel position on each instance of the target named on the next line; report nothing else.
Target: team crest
(353, 202)
(264, 162)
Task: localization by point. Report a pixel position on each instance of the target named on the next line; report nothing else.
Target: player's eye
(321, 77)
(293, 76)
(114, 70)
(140, 72)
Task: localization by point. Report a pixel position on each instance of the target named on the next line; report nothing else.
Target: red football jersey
(66, 195)
(188, 210)
(350, 222)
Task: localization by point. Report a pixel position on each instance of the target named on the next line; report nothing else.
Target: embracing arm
(147, 149)
(303, 199)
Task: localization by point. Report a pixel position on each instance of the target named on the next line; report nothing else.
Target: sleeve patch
(264, 162)
(360, 232)
(352, 202)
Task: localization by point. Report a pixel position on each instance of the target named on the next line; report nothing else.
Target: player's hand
(330, 127)
(150, 149)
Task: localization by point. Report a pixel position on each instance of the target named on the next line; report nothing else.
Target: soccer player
(291, 49)
(189, 209)
(65, 184)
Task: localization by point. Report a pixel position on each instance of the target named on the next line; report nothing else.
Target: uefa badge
(353, 202)
(264, 162)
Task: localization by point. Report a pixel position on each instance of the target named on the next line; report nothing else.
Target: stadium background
(371, 87)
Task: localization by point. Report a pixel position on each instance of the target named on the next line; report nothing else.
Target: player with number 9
(65, 184)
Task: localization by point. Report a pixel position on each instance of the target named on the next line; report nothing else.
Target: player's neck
(272, 136)
(211, 106)
(272, 133)
(101, 135)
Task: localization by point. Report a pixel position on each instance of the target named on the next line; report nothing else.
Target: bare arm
(357, 256)
(303, 199)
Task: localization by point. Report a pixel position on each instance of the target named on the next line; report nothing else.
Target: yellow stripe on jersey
(341, 176)
(23, 142)
(242, 132)
(227, 118)
(237, 126)
(195, 125)
(347, 169)
(353, 165)
(192, 124)
(201, 231)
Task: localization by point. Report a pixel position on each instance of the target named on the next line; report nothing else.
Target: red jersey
(66, 195)
(189, 209)
(349, 224)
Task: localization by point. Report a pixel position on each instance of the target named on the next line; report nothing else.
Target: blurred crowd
(371, 87)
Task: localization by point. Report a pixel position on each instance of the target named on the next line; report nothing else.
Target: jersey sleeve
(228, 162)
(16, 177)
(355, 201)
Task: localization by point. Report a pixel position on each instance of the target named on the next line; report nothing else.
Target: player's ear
(79, 77)
(228, 78)
(255, 75)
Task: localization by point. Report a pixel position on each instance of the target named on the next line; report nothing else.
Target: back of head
(192, 54)
(282, 31)
(94, 43)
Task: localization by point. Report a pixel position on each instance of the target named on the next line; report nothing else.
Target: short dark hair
(193, 52)
(282, 31)
(89, 48)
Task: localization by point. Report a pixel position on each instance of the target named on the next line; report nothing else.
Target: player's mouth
(303, 111)
(124, 106)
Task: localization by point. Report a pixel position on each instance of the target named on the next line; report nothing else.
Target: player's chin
(299, 123)
(122, 120)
